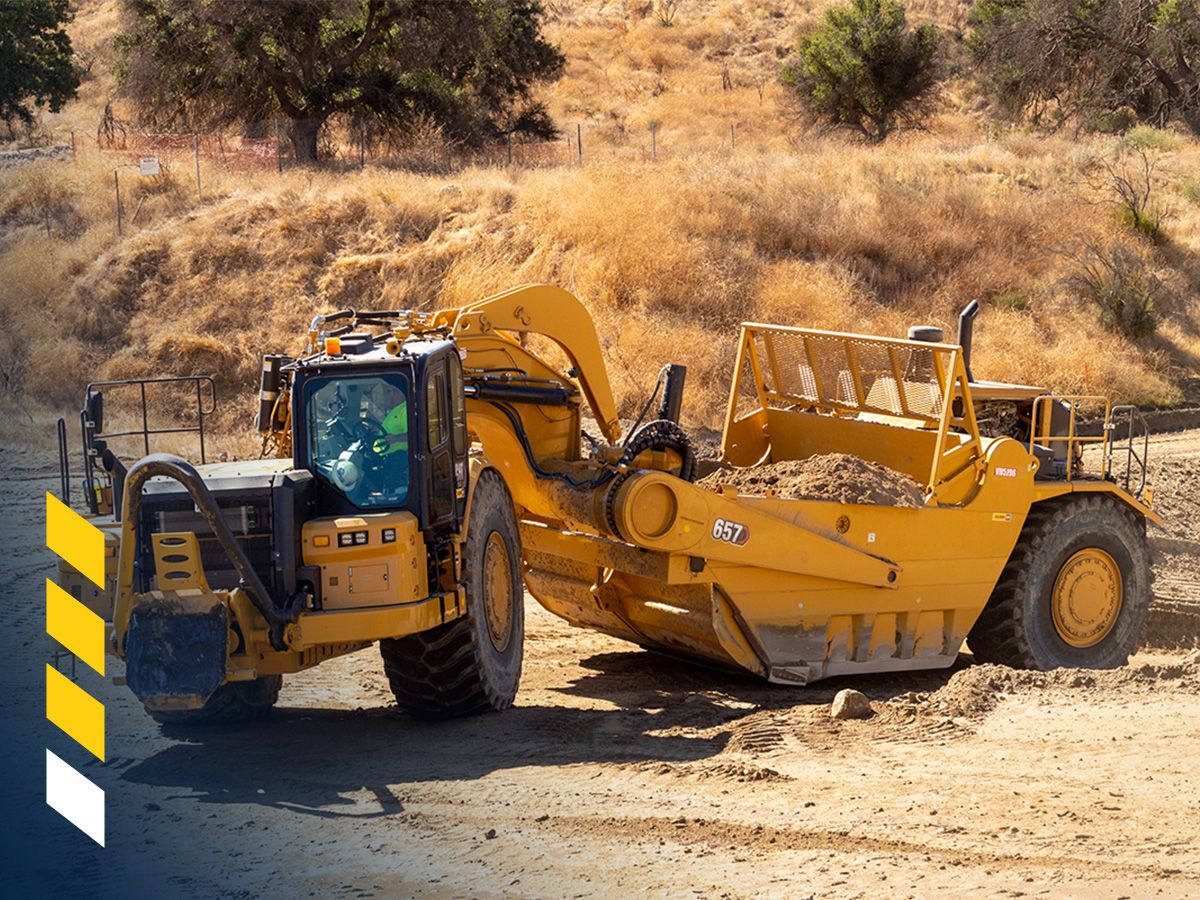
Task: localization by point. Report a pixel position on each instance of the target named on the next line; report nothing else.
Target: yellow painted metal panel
(177, 562)
(372, 573)
(372, 624)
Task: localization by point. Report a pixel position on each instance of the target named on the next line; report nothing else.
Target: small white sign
(148, 165)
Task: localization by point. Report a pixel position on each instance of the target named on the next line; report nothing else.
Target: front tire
(472, 664)
(1074, 593)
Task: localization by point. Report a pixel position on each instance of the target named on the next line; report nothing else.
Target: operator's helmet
(345, 472)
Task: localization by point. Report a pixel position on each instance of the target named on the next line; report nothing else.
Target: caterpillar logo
(70, 707)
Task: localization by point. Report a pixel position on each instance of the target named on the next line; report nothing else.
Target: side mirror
(94, 412)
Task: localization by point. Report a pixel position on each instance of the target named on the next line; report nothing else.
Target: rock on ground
(850, 704)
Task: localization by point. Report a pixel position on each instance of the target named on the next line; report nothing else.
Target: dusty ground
(621, 772)
(1174, 475)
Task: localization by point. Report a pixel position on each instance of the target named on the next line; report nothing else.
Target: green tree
(470, 65)
(35, 58)
(1052, 60)
(864, 69)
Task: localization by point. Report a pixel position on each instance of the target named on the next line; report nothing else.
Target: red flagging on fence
(229, 152)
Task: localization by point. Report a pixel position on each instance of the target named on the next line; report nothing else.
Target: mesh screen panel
(840, 372)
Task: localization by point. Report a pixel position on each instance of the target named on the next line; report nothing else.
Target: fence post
(196, 153)
(362, 142)
(579, 140)
(74, 158)
(731, 145)
(510, 148)
(117, 189)
(654, 140)
(278, 149)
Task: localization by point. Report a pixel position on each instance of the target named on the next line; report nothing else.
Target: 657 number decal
(730, 532)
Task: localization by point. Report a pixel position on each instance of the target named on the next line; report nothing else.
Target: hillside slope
(669, 253)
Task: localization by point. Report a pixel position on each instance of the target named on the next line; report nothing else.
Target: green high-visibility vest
(395, 423)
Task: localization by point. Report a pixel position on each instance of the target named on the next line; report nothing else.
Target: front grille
(249, 518)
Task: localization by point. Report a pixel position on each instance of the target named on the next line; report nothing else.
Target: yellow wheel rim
(1087, 597)
(497, 591)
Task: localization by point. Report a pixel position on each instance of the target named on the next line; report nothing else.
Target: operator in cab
(395, 429)
(360, 443)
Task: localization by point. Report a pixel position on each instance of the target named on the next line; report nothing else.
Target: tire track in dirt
(723, 835)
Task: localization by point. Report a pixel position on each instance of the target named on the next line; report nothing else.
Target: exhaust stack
(966, 325)
(672, 399)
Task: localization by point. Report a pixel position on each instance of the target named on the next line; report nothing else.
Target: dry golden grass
(669, 254)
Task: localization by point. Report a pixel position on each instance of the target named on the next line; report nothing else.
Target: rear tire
(235, 701)
(1074, 592)
(472, 664)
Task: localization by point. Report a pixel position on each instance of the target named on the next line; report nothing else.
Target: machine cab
(384, 431)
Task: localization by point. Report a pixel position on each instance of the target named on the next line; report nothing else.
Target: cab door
(439, 445)
(458, 434)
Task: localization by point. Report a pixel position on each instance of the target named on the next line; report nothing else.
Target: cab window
(435, 399)
(358, 437)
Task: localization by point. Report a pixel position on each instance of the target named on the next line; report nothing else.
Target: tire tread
(1002, 633)
(440, 673)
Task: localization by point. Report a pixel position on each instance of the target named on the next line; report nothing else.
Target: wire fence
(267, 146)
(204, 160)
(230, 153)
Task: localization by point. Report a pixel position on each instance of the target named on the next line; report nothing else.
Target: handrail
(1132, 455)
(1041, 423)
(206, 405)
(64, 462)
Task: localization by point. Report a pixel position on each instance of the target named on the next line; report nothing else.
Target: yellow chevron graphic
(81, 631)
(75, 711)
(75, 626)
(75, 539)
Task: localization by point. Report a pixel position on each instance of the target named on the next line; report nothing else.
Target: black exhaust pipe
(672, 398)
(966, 325)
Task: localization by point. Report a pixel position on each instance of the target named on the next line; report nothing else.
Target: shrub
(1147, 137)
(1051, 59)
(1011, 298)
(1115, 280)
(1131, 184)
(1112, 121)
(865, 69)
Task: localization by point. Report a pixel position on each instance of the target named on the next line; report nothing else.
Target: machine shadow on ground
(651, 680)
(309, 759)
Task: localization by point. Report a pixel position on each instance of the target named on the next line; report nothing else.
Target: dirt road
(621, 772)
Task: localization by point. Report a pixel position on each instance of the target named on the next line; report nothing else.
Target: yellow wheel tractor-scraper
(431, 466)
